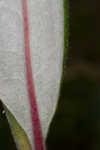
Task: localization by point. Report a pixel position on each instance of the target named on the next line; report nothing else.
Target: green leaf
(12, 136)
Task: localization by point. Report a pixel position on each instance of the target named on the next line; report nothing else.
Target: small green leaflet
(12, 136)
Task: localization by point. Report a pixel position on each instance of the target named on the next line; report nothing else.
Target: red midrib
(37, 133)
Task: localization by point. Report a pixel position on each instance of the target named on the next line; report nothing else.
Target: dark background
(84, 40)
(76, 124)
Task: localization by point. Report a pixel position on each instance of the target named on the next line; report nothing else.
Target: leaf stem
(37, 132)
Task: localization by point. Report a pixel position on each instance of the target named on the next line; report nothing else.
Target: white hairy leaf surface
(46, 45)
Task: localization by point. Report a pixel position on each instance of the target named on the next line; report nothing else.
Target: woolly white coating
(46, 45)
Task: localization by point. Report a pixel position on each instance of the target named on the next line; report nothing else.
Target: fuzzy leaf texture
(12, 136)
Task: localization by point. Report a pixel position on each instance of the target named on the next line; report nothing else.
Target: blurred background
(76, 124)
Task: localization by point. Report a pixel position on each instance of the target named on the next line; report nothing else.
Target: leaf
(12, 136)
